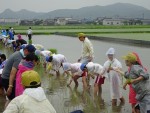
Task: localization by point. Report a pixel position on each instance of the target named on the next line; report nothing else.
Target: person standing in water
(87, 49)
(29, 34)
(114, 77)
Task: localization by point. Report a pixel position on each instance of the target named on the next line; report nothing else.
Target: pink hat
(19, 36)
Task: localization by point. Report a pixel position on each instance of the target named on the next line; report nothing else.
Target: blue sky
(50, 5)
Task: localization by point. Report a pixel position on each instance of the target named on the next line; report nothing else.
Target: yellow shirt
(87, 49)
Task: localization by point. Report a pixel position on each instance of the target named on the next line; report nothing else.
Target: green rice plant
(53, 50)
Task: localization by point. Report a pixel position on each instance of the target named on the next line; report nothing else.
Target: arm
(11, 80)
(13, 107)
(128, 81)
(91, 51)
(140, 78)
(119, 71)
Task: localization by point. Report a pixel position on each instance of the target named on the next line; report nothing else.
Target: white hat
(110, 51)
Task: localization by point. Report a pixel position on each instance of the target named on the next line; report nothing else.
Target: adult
(138, 77)
(10, 70)
(26, 64)
(29, 34)
(33, 100)
(87, 49)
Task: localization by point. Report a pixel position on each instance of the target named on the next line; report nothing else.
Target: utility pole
(143, 15)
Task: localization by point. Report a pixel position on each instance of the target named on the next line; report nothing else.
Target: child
(33, 99)
(75, 70)
(96, 70)
(42, 55)
(27, 63)
(3, 60)
(56, 61)
(114, 77)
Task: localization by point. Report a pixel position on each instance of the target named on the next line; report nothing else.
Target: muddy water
(67, 99)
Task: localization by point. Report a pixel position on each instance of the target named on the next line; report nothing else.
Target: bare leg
(85, 86)
(114, 102)
(122, 100)
(57, 73)
(96, 90)
(75, 78)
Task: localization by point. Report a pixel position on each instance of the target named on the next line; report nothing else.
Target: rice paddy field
(67, 99)
(138, 32)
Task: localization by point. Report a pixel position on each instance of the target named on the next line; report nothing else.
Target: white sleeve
(13, 106)
(90, 48)
(118, 65)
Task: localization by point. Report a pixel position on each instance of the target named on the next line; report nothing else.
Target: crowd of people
(21, 83)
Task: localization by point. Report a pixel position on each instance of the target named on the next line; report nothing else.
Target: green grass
(75, 27)
(139, 32)
(134, 36)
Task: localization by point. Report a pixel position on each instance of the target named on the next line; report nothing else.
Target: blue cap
(49, 58)
(83, 66)
(37, 52)
(30, 48)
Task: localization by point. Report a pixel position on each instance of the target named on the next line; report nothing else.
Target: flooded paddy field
(66, 99)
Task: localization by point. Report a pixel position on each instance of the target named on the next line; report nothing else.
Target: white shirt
(94, 68)
(75, 69)
(114, 64)
(57, 60)
(45, 53)
(87, 49)
(29, 31)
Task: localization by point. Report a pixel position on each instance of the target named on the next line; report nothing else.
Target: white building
(9, 21)
(61, 21)
(113, 22)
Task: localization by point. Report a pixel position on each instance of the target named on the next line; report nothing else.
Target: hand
(9, 91)
(132, 81)
(90, 59)
(117, 69)
(79, 60)
(68, 85)
(124, 86)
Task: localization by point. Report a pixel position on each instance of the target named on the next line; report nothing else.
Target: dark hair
(50, 58)
(3, 56)
(33, 85)
(29, 27)
(136, 63)
(31, 57)
(7, 30)
(30, 48)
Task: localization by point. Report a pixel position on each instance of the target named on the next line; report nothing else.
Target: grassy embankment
(139, 32)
